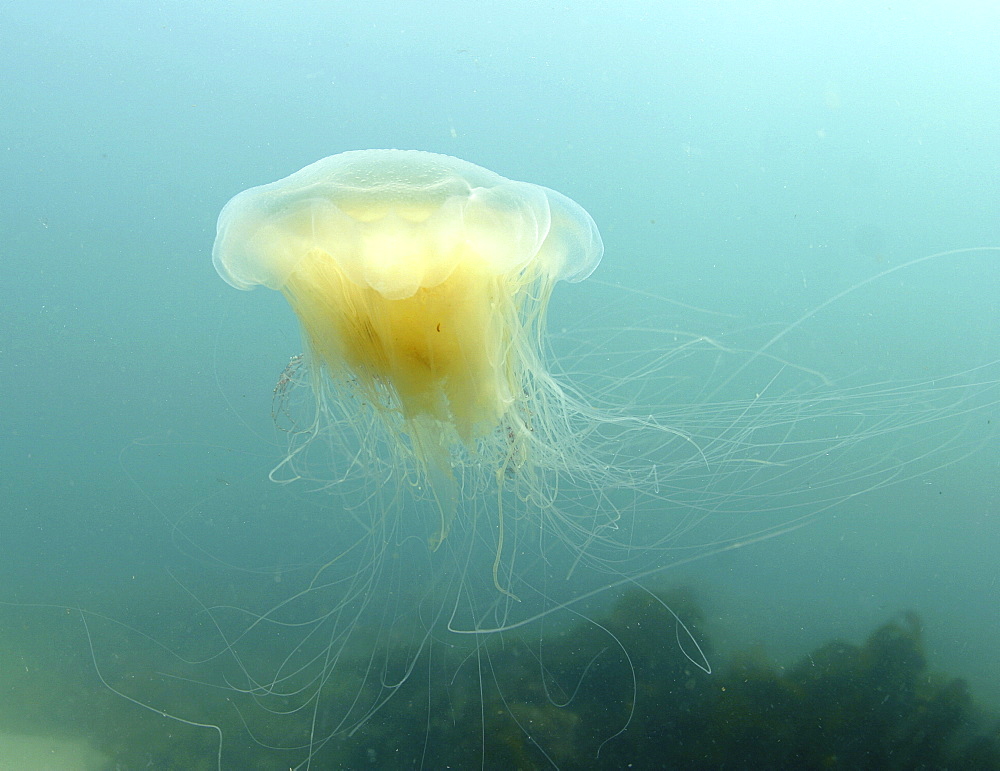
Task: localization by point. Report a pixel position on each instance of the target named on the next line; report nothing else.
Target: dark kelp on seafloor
(869, 706)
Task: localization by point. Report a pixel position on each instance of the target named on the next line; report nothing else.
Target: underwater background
(746, 163)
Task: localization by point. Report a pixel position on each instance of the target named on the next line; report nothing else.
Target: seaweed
(617, 692)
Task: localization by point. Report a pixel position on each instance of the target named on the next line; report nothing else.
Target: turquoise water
(763, 181)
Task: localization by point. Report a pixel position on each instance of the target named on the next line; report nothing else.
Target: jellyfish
(421, 283)
(480, 487)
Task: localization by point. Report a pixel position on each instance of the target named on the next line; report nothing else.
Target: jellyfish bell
(421, 283)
